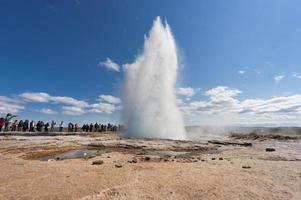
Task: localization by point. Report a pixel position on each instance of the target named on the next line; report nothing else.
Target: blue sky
(247, 52)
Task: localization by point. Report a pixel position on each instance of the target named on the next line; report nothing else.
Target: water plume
(149, 101)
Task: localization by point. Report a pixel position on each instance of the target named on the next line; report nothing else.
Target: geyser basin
(150, 107)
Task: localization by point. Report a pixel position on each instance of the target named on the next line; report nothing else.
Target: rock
(57, 158)
(221, 159)
(108, 156)
(203, 160)
(212, 158)
(146, 158)
(118, 165)
(133, 161)
(97, 162)
(270, 149)
(246, 167)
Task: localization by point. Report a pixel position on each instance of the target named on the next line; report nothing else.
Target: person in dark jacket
(20, 125)
(31, 126)
(91, 127)
(25, 125)
(96, 127)
(46, 126)
(61, 126)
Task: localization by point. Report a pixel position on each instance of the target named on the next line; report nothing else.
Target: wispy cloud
(104, 108)
(35, 96)
(9, 105)
(47, 111)
(186, 91)
(223, 99)
(107, 104)
(42, 97)
(241, 72)
(72, 110)
(279, 78)
(110, 64)
(71, 106)
(110, 99)
(297, 75)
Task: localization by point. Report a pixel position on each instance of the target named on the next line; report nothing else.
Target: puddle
(74, 154)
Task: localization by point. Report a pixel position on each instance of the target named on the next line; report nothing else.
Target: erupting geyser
(149, 101)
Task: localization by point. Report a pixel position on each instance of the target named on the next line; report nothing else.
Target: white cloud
(47, 111)
(104, 108)
(297, 75)
(110, 99)
(186, 91)
(35, 96)
(241, 72)
(69, 101)
(223, 100)
(8, 105)
(108, 103)
(222, 93)
(279, 78)
(72, 110)
(42, 97)
(111, 65)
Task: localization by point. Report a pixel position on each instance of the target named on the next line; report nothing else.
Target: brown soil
(232, 173)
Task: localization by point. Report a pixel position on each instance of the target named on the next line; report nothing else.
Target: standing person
(2, 122)
(46, 127)
(42, 125)
(76, 126)
(14, 125)
(84, 128)
(91, 127)
(32, 126)
(39, 126)
(71, 127)
(53, 123)
(20, 125)
(8, 119)
(61, 126)
(109, 127)
(25, 125)
(96, 127)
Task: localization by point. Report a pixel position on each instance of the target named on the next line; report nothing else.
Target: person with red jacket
(2, 122)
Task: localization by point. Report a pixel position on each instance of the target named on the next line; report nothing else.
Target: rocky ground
(106, 166)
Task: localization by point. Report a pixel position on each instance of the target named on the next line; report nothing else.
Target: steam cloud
(150, 108)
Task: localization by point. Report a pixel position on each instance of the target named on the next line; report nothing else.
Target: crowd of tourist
(8, 124)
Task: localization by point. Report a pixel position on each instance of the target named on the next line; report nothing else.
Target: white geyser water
(149, 102)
